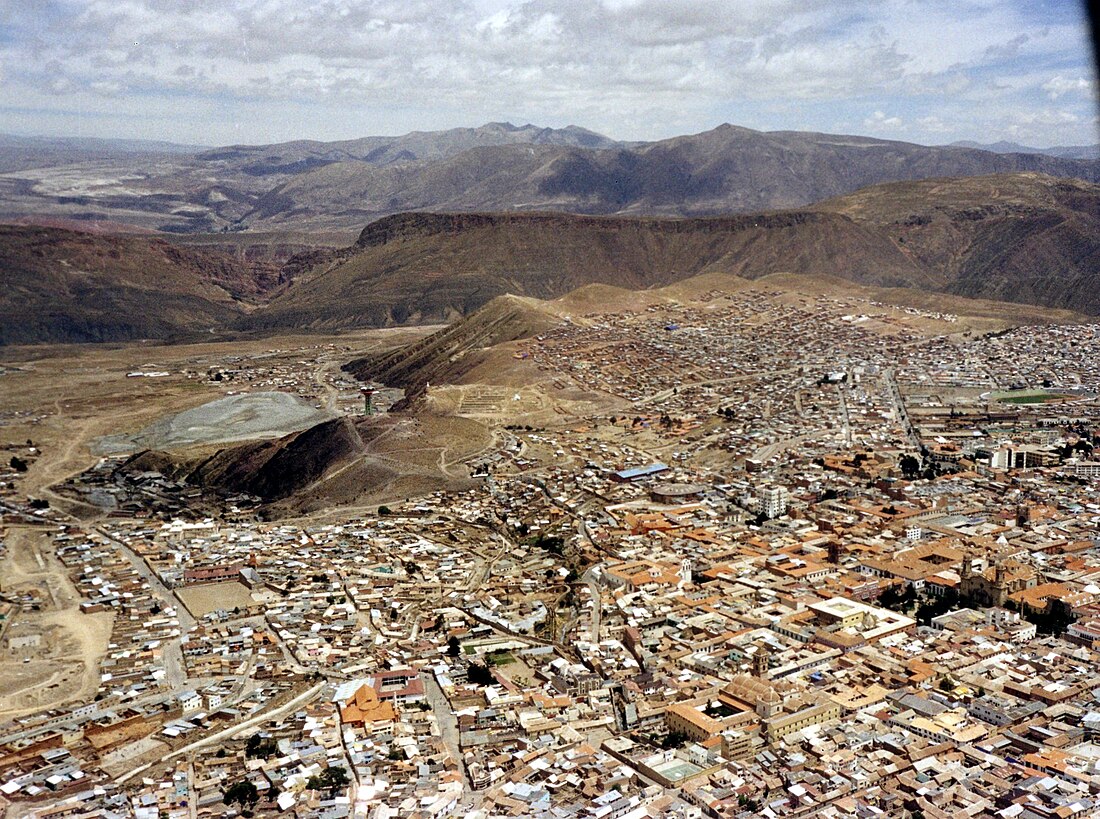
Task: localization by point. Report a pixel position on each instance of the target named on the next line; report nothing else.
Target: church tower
(685, 573)
(1000, 584)
(761, 661)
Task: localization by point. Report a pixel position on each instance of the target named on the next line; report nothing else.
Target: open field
(1028, 397)
(210, 597)
(51, 651)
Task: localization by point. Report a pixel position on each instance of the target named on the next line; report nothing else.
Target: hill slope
(1062, 151)
(65, 286)
(451, 352)
(428, 268)
(182, 190)
(497, 167)
(1019, 237)
(1024, 238)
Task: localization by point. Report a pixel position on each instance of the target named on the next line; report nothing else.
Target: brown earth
(66, 286)
(425, 268)
(1024, 238)
(1021, 237)
(1018, 237)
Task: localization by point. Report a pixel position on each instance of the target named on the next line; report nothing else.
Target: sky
(217, 72)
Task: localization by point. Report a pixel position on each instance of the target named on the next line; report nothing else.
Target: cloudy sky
(224, 71)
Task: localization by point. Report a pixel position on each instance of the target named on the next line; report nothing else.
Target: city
(801, 553)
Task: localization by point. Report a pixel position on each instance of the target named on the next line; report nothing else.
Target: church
(994, 585)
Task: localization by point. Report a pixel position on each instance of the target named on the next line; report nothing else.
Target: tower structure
(1000, 584)
(761, 661)
(368, 399)
(685, 573)
(967, 565)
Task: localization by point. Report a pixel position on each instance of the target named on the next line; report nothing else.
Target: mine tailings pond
(242, 417)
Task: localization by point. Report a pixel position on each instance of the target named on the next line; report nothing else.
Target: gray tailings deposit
(241, 417)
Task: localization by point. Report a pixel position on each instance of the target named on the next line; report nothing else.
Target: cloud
(878, 121)
(1059, 85)
(933, 125)
(1007, 50)
(631, 68)
(106, 87)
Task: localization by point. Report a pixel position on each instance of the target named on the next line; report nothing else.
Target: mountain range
(308, 185)
(1061, 151)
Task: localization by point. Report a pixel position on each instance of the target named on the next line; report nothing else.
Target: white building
(771, 501)
(1087, 469)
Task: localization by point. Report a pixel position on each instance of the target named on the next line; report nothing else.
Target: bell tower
(1000, 584)
(761, 661)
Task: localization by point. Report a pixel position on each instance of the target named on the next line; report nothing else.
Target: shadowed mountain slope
(1021, 237)
(1016, 237)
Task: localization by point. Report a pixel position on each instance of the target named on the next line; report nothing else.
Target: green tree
(454, 646)
(331, 779)
(910, 596)
(479, 674)
(244, 793)
(260, 747)
(18, 464)
(891, 597)
(674, 739)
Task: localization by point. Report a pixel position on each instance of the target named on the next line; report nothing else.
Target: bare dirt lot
(51, 655)
(210, 597)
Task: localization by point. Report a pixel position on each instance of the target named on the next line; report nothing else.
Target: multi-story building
(771, 501)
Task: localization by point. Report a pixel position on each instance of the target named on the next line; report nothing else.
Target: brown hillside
(276, 469)
(343, 461)
(446, 355)
(430, 268)
(1012, 237)
(63, 285)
